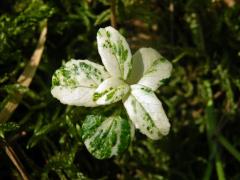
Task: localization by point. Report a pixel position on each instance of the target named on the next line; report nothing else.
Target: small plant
(132, 79)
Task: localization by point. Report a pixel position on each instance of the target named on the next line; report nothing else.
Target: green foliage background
(200, 38)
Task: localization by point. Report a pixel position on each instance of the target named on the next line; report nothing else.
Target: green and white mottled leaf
(105, 137)
(149, 68)
(79, 96)
(75, 82)
(76, 73)
(115, 52)
(146, 112)
(111, 90)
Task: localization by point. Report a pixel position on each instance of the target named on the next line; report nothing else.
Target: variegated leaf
(146, 112)
(75, 82)
(111, 90)
(149, 68)
(79, 96)
(105, 137)
(115, 52)
(76, 73)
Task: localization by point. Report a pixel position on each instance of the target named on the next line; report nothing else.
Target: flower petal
(75, 82)
(115, 52)
(149, 68)
(105, 137)
(146, 112)
(111, 90)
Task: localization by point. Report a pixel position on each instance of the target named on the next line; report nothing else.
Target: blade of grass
(211, 123)
(229, 147)
(219, 168)
(207, 174)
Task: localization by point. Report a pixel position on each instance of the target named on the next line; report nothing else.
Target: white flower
(132, 79)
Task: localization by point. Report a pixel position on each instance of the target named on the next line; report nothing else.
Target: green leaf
(6, 127)
(12, 89)
(105, 137)
(103, 17)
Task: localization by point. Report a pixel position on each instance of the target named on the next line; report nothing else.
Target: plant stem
(113, 14)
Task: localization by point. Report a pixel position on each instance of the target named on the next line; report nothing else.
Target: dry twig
(25, 80)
